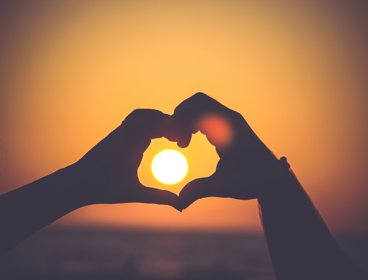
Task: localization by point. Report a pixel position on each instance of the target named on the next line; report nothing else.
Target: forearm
(31, 207)
(301, 247)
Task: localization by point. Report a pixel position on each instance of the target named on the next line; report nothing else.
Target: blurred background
(70, 71)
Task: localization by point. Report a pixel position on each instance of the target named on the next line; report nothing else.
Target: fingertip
(181, 144)
(176, 207)
(180, 209)
(175, 203)
(184, 207)
(172, 200)
(186, 197)
(184, 142)
(185, 203)
(177, 131)
(194, 190)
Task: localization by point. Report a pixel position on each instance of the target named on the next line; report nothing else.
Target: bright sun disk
(169, 167)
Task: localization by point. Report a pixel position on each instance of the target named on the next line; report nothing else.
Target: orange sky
(71, 72)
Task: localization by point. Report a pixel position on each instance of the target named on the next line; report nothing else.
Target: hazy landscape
(148, 255)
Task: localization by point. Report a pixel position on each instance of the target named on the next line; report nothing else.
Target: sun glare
(169, 167)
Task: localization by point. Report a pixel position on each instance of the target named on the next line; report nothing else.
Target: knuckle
(200, 95)
(134, 115)
(139, 115)
(237, 116)
(192, 102)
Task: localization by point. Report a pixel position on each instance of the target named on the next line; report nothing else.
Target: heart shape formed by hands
(164, 162)
(113, 163)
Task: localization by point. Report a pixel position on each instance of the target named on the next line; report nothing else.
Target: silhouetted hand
(245, 162)
(301, 247)
(108, 172)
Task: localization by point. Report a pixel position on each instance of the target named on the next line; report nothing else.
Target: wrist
(277, 181)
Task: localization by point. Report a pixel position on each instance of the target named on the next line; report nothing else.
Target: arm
(300, 245)
(29, 208)
(106, 174)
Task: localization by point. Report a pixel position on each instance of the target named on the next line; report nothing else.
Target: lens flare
(217, 129)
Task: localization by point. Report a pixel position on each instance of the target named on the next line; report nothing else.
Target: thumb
(196, 189)
(156, 196)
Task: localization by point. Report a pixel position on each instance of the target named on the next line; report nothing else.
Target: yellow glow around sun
(169, 167)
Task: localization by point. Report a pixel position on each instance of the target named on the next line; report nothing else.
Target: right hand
(245, 162)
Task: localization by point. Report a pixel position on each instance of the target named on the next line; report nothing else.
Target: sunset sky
(71, 71)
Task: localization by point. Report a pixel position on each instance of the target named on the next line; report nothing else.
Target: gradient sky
(70, 71)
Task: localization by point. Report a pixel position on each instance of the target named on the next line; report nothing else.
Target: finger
(196, 189)
(146, 123)
(141, 126)
(201, 112)
(131, 138)
(197, 105)
(187, 112)
(156, 196)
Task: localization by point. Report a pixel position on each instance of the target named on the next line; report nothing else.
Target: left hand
(108, 172)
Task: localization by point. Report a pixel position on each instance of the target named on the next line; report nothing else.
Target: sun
(169, 167)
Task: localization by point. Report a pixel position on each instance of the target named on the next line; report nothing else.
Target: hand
(108, 172)
(245, 162)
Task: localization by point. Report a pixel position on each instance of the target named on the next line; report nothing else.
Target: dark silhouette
(106, 174)
(300, 244)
